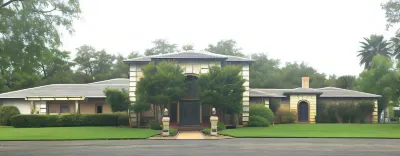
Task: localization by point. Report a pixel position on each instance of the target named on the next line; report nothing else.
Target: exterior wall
(91, 108)
(54, 106)
(295, 99)
(23, 106)
(285, 105)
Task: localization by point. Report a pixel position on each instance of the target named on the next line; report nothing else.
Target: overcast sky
(324, 34)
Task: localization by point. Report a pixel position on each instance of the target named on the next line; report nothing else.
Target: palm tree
(371, 47)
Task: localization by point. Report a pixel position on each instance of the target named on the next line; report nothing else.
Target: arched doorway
(303, 111)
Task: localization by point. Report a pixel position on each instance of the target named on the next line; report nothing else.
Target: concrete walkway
(190, 135)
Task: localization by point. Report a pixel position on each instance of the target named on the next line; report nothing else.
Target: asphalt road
(231, 147)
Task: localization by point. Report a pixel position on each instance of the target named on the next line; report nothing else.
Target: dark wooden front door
(173, 112)
(189, 112)
(302, 110)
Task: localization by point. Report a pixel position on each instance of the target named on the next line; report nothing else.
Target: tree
(223, 89)
(117, 99)
(292, 73)
(160, 85)
(346, 82)
(28, 30)
(392, 12)
(188, 47)
(161, 46)
(265, 72)
(374, 45)
(225, 47)
(381, 79)
(97, 64)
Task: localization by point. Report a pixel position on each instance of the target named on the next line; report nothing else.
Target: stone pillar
(246, 94)
(214, 123)
(33, 107)
(375, 112)
(77, 109)
(165, 123)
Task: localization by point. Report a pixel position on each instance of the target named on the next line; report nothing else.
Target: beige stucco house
(90, 99)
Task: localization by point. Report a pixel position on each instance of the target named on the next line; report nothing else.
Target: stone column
(246, 94)
(77, 109)
(375, 112)
(214, 123)
(33, 107)
(165, 123)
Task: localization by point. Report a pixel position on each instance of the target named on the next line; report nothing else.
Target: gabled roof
(94, 90)
(327, 92)
(190, 55)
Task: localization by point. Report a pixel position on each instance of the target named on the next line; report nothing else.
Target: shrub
(206, 131)
(220, 126)
(261, 110)
(6, 112)
(173, 131)
(274, 104)
(284, 117)
(258, 121)
(123, 120)
(64, 120)
(155, 125)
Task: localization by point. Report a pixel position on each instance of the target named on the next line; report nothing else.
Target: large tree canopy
(222, 88)
(161, 46)
(381, 79)
(30, 37)
(162, 83)
(225, 47)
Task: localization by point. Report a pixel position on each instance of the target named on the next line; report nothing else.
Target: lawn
(75, 133)
(318, 131)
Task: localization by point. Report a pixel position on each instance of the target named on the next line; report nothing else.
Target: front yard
(74, 133)
(318, 131)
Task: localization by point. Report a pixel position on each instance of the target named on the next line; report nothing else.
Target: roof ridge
(108, 80)
(25, 89)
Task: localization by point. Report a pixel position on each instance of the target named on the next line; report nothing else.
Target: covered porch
(68, 105)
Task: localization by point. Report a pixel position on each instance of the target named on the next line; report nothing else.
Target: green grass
(318, 131)
(75, 133)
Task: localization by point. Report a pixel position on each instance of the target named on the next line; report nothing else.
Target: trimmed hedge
(72, 120)
(285, 117)
(154, 125)
(220, 126)
(6, 112)
(261, 110)
(258, 121)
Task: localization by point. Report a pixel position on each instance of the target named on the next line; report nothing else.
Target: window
(99, 109)
(64, 108)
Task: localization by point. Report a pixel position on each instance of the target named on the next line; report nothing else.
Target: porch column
(33, 107)
(77, 109)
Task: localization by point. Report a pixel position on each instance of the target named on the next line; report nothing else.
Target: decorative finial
(213, 111)
(165, 112)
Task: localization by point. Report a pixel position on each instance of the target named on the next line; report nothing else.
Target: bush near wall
(261, 110)
(285, 117)
(344, 112)
(72, 120)
(258, 121)
(6, 112)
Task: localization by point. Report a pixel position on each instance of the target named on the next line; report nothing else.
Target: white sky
(323, 33)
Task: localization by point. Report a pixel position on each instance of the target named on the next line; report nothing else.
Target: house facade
(90, 99)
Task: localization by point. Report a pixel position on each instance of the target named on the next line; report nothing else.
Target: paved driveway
(242, 147)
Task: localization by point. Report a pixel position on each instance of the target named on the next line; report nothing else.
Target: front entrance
(302, 112)
(189, 112)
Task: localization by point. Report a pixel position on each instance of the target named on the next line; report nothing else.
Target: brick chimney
(305, 82)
